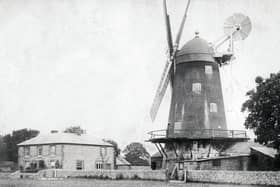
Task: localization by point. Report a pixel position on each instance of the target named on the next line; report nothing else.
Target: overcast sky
(97, 64)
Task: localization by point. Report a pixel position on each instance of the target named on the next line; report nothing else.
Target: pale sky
(97, 63)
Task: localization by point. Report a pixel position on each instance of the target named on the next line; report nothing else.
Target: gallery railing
(197, 133)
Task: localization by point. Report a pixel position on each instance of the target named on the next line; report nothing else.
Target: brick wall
(123, 167)
(141, 167)
(110, 174)
(235, 177)
(227, 163)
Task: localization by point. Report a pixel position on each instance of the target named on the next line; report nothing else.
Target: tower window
(177, 126)
(208, 70)
(213, 107)
(196, 88)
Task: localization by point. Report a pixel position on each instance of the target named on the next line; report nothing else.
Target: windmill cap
(196, 49)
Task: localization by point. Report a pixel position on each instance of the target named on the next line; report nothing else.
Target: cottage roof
(266, 151)
(241, 148)
(64, 138)
(120, 161)
(245, 148)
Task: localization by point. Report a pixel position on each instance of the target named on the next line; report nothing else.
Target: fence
(198, 133)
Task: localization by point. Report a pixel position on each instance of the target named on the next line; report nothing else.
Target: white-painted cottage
(66, 151)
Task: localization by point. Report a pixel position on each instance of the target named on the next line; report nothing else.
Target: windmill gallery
(197, 136)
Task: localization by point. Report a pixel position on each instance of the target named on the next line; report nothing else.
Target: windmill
(196, 114)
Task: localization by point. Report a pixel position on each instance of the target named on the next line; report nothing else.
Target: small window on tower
(177, 126)
(208, 70)
(196, 88)
(213, 107)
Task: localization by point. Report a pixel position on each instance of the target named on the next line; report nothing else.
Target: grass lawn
(98, 183)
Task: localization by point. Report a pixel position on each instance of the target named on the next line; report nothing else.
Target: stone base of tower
(179, 152)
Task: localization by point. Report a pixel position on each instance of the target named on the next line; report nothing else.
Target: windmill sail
(167, 73)
(168, 29)
(178, 37)
(161, 89)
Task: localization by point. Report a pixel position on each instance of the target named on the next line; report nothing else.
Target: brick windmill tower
(197, 126)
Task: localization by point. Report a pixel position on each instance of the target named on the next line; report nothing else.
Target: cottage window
(213, 107)
(208, 70)
(26, 151)
(40, 150)
(52, 149)
(196, 88)
(52, 163)
(79, 164)
(27, 164)
(103, 151)
(99, 165)
(181, 165)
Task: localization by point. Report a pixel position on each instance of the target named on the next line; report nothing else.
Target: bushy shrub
(135, 177)
(119, 176)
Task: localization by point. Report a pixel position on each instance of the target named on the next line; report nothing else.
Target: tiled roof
(241, 148)
(245, 148)
(266, 151)
(121, 161)
(64, 138)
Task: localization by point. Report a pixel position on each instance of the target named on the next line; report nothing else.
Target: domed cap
(196, 49)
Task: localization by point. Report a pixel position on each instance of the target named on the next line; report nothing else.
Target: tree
(263, 108)
(136, 154)
(116, 147)
(3, 150)
(18, 136)
(75, 130)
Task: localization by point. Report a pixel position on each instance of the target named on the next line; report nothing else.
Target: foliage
(136, 154)
(3, 149)
(116, 147)
(263, 107)
(119, 177)
(276, 162)
(18, 136)
(75, 130)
